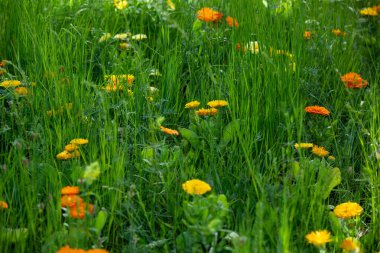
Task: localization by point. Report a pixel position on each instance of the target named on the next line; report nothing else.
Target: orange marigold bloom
(22, 91)
(169, 131)
(78, 211)
(232, 21)
(338, 32)
(70, 190)
(71, 147)
(354, 80)
(67, 249)
(350, 244)
(97, 251)
(317, 110)
(64, 155)
(75, 154)
(207, 112)
(348, 210)
(318, 238)
(307, 35)
(319, 151)
(71, 200)
(3, 205)
(209, 15)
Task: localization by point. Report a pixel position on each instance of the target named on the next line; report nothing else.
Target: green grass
(275, 194)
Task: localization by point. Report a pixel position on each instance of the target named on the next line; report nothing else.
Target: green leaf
(229, 132)
(100, 221)
(330, 180)
(191, 136)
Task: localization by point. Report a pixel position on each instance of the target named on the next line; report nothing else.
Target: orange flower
(70, 190)
(338, 32)
(319, 151)
(232, 21)
(354, 80)
(3, 205)
(78, 211)
(169, 131)
(307, 35)
(22, 91)
(67, 249)
(71, 200)
(97, 251)
(71, 147)
(317, 110)
(209, 15)
(207, 112)
(64, 155)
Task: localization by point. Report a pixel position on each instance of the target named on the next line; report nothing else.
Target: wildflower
(71, 147)
(112, 87)
(70, 190)
(319, 151)
(120, 4)
(75, 154)
(209, 15)
(3, 63)
(71, 200)
(130, 79)
(252, 46)
(22, 91)
(139, 37)
(91, 172)
(10, 83)
(338, 32)
(122, 36)
(348, 210)
(97, 251)
(196, 186)
(232, 22)
(217, 103)
(303, 145)
(3, 205)
(330, 157)
(64, 155)
(169, 131)
(155, 72)
(170, 4)
(317, 110)
(192, 104)
(207, 112)
(350, 244)
(124, 45)
(370, 11)
(307, 35)
(354, 80)
(105, 37)
(79, 141)
(318, 238)
(78, 211)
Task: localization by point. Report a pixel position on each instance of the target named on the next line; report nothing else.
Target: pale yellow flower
(120, 4)
(91, 172)
(122, 36)
(139, 37)
(105, 37)
(170, 4)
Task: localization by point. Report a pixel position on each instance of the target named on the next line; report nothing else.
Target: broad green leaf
(229, 132)
(100, 221)
(331, 179)
(191, 136)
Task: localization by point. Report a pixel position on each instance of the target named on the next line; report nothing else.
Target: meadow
(189, 126)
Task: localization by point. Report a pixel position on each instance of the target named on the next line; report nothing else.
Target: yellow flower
(64, 155)
(338, 32)
(192, 104)
(318, 238)
(169, 131)
(196, 186)
(79, 141)
(330, 157)
(170, 4)
(350, 244)
(75, 154)
(348, 210)
(10, 83)
(105, 37)
(112, 87)
(22, 91)
(253, 47)
(120, 4)
(319, 151)
(139, 37)
(91, 172)
(217, 103)
(122, 36)
(71, 147)
(303, 145)
(370, 11)
(207, 112)
(3, 205)
(307, 35)
(124, 45)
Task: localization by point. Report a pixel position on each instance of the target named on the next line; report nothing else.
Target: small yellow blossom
(330, 157)
(192, 104)
(3, 205)
(75, 154)
(124, 45)
(348, 210)
(253, 47)
(170, 4)
(370, 11)
(105, 37)
(64, 155)
(350, 245)
(79, 141)
(91, 172)
(303, 145)
(318, 238)
(319, 151)
(307, 35)
(196, 186)
(139, 37)
(112, 87)
(338, 32)
(22, 91)
(122, 36)
(207, 112)
(120, 4)
(217, 103)
(10, 83)
(71, 147)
